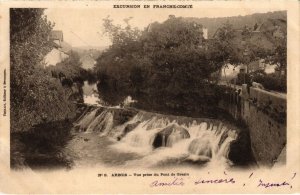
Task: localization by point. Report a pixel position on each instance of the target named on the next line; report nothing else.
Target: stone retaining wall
(265, 115)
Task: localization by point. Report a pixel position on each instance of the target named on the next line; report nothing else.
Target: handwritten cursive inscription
(215, 181)
(226, 179)
(173, 182)
(268, 184)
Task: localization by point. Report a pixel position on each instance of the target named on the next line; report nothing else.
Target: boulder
(127, 129)
(170, 135)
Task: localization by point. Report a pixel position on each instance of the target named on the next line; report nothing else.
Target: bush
(45, 100)
(271, 81)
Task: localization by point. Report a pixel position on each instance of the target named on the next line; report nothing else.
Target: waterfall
(102, 123)
(139, 140)
(85, 121)
(159, 138)
(140, 137)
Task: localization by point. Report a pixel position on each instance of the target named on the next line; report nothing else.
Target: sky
(83, 26)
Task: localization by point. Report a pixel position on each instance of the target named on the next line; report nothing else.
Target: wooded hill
(238, 22)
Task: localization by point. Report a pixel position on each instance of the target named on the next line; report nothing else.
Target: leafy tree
(278, 56)
(114, 65)
(29, 32)
(165, 62)
(36, 97)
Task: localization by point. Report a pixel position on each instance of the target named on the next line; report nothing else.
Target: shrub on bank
(271, 81)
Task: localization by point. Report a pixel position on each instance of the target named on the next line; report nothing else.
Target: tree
(228, 47)
(114, 65)
(36, 97)
(170, 58)
(278, 56)
(269, 44)
(29, 32)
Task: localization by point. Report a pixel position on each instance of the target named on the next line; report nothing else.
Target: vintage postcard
(124, 97)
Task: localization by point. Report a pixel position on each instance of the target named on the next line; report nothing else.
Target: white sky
(86, 23)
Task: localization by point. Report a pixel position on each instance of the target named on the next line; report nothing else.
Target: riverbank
(41, 147)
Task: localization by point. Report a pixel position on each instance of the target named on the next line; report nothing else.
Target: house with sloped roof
(58, 53)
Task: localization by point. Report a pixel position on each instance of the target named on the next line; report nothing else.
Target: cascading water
(159, 138)
(102, 123)
(139, 140)
(86, 120)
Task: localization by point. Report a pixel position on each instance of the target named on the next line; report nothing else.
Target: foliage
(271, 81)
(225, 46)
(70, 69)
(178, 55)
(28, 148)
(35, 96)
(163, 61)
(89, 75)
(170, 63)
(29, 32)
(278, 56)
(267, 44)
(114, 65)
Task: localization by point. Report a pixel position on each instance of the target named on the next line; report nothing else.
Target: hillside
(238, 22)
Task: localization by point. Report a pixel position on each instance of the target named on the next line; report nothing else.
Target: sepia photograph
(157, 86)
(181, 91)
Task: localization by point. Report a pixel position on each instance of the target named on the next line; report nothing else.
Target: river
(131, 138)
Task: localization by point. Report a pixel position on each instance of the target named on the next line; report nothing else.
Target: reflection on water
(90, 94)
(91, 99)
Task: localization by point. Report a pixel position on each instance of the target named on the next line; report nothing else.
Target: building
(58, 53)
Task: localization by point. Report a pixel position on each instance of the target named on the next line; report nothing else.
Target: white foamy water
(160, 140)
